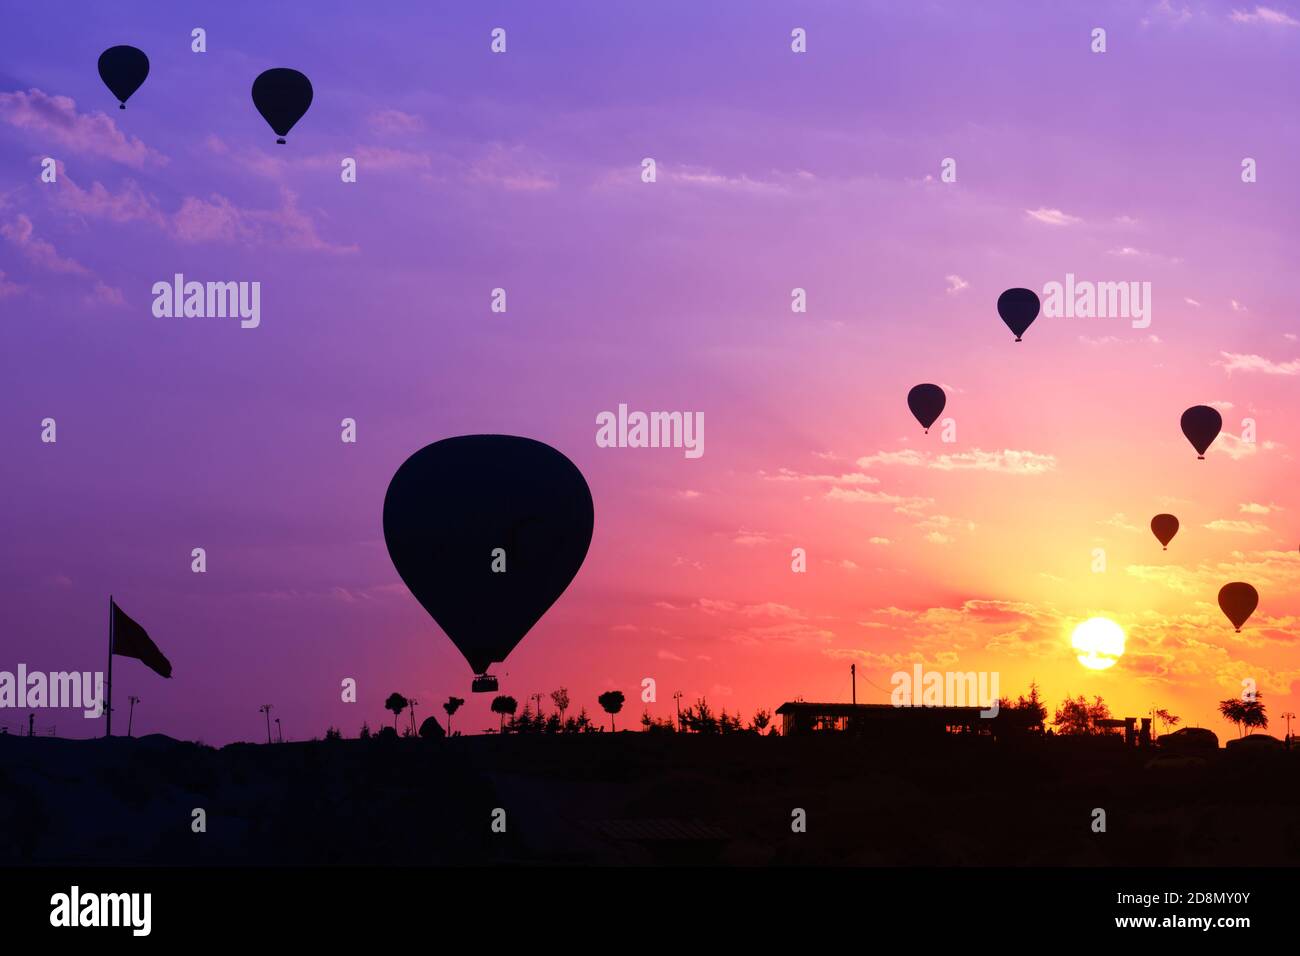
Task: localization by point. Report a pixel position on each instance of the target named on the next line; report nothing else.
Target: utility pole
(266, 709)
(412, 702)
(538, 699)
(1288, 715)
(853, 673)
(31, 725)
(130, 716)
(677, 697)
(278, 732)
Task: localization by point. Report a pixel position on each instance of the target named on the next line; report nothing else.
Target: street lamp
(266, 709)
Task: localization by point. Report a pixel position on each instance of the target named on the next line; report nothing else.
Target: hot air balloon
(1238, 600)
(1018, 308)
(1202, 424)
(1164, 527)
(282, 97)
(487, 531)
(926, 402)
(123, 69)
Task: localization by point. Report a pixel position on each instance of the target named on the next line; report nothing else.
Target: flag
(130, 640)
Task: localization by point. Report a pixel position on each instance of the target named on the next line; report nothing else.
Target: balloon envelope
(1164, 527)
(1238, 600)
(452, 504)
(123, 69)
(926, 402)
(282, 97)
(1018, 308)
(1201, 424)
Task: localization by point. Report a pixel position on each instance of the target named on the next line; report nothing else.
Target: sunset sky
(776, 170)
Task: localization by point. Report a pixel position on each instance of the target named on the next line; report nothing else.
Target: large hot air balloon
(487, 531)
(1202, 424)
(1238, 600)
(282, 97)
(926, 402)
(1018, 308)
(1164, 527)
(123, 69)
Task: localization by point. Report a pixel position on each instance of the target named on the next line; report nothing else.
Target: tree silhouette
(655, 725)
(451, 706)
(560, 698)
(699, 719)
(1166, 718)
(396, 703)
(504, 705)
(581, 724)
(612, 702)
(729, 723)
(1079, 718)
(762, 718)
(1246, 714)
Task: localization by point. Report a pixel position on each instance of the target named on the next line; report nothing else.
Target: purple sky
(521, 170)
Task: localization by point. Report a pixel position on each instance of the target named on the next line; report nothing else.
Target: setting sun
(1099, 642)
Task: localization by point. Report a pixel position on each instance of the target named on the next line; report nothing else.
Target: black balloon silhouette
(926, 402)
(1018, 308)
(452, 504)
(1201, 424)
(123, 69)
(1164, 527)
(1238, 600)
(282, 97)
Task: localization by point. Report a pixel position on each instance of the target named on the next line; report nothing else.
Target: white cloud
(1265, 15)
(1240, 362)
(1053, 217)
(1007, 461)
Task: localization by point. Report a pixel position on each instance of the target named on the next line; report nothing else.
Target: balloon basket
(484, 684)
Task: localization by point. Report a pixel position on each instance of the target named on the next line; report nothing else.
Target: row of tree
(1075, 717)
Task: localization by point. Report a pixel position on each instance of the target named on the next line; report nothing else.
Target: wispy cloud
(1241, 362)
(390, 122)
(55, 120)
(1053, 217)
(1266, 16)
(22, 234)
(1237, 527)
(1006, 461)
(955, 284)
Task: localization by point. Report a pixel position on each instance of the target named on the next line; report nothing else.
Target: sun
(1099, 642)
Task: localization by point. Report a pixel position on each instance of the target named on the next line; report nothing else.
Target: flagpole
(108, 725)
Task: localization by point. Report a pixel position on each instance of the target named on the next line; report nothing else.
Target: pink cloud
(55, 119)
(395, 122)
(217, 219)
(130, 205)
(22, 234)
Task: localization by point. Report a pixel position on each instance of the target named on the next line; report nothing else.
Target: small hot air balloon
(123, 69)
(926, 402)
(1164, 527)
(1018, 308)
(1238, 600)
(282, 97)
(487, 531)
(1202, 424)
